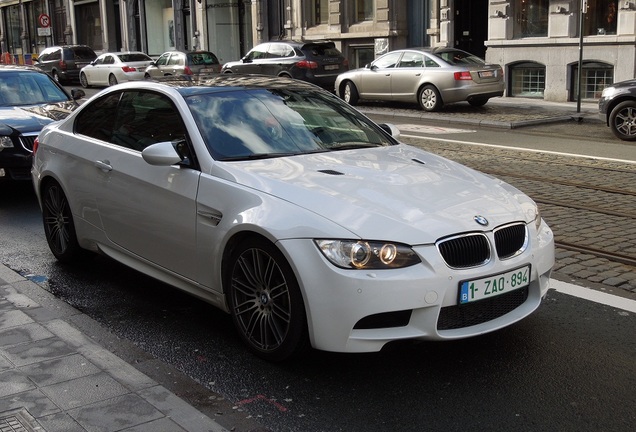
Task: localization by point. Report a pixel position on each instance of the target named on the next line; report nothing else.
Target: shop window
(595, 76)
(600, 17)
(531, 18)
(527, 80)
(364, 10)
(362, 56)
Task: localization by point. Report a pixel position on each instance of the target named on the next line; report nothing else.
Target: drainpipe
(288, 19)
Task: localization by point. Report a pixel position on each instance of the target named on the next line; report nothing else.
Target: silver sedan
(431, 77)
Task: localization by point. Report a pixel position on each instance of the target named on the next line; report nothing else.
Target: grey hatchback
(63, 63)
(315, 62)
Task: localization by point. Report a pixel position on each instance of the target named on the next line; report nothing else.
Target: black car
(29, 100)
(617, 108)
(63, 63)
(315, 62)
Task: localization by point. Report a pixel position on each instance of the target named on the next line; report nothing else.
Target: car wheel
(112, 80)
(265, 300)
(59, 228)
(478, 102)
(350, 93)
(622, 121)
(147, 77)
(430, 99)
(84, 81)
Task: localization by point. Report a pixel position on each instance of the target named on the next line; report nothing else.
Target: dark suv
(316, 62)
(63, 63)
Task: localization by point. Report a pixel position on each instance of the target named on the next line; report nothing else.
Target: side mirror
(161, 154)
(390, 129)
(77, 93)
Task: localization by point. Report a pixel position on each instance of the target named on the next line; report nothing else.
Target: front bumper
(362, 310)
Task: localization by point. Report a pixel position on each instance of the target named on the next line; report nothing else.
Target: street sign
(44, 20)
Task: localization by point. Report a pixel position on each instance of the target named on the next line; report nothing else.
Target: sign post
(580, 71)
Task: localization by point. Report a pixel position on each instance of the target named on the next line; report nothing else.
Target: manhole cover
(18, 421)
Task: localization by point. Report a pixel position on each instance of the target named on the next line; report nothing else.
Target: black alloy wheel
(59, 228)
(622, 120)
(265, 301)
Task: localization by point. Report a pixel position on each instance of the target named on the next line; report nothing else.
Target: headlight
(5, 142)
(360, 254)
(608, 92)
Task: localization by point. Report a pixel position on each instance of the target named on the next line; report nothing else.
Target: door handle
(104, 165)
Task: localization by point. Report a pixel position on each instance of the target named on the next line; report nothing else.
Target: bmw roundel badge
(481, 220)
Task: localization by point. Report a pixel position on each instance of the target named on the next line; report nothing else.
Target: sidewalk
(500, 112)
(54, 378)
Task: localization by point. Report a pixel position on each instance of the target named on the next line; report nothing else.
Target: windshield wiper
(257, 156)
(353, 145)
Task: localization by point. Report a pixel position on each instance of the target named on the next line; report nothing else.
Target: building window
(320, 12)
(364, 10)
(527, 80)
(595, 76)
(600, 18)
(531, 18)
(362, 56)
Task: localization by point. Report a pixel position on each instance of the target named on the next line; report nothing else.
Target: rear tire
(84, 81)
(622, 121)
(430, 99)
(265, 300)
(59, 227)
(112, 80)
(350, 93)
(478, 102)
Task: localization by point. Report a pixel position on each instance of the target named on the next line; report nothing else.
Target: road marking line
(521, 149)
(593, 295)
(431, 129)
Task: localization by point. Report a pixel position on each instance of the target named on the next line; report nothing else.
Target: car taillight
(36, 143)
(128, 69)
(462, 76)
(306, 64)
(187, 71)
(62, 65)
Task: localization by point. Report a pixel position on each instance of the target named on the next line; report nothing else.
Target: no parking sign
(45, 25)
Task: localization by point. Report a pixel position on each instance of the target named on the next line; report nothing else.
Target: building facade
(540, 43)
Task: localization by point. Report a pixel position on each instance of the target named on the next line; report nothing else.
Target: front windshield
(27, 88)
(259, 123)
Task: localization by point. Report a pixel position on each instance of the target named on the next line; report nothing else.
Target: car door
(175, 65)
(156, 69)
(148, 211)
(252, 62)
(376, 81)
(407, 75)
(280, 57)
(103, 69)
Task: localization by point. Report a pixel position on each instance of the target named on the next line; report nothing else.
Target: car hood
(35, 117)
(399, 193)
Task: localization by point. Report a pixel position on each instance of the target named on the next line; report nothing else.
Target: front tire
(59, 227)
(265, 300)
(622, 121)
(350, 93)
(430, 99)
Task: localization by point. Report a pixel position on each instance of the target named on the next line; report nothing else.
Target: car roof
(300, 44)
(23, 68)
(225, 82)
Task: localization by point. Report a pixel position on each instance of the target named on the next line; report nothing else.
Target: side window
(163, 60)
(146, 118)
(387, 60)
(429, 62)
(55, 55)
(109, 60)
(175, 59)
(98, 122)
(411, 59)
(259, 52)
(280, 51)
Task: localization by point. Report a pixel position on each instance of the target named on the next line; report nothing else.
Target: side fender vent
(331, 172)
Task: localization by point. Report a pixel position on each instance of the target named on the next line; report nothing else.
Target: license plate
(332, 67)
(491, 286)
(486, 74)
